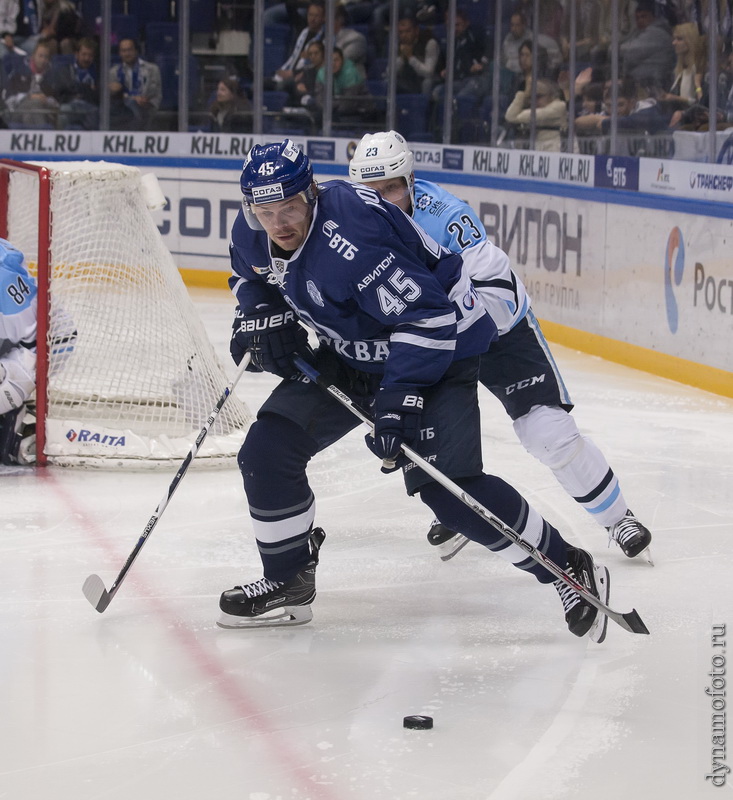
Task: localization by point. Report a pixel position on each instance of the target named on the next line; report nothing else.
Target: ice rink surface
(152, 700)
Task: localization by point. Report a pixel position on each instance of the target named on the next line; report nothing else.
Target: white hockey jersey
(455, 225)
(18, 298)
(18, 312)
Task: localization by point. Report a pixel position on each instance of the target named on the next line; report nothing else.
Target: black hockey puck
(418, 723)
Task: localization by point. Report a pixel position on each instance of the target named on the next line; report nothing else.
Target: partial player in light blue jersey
(18, 299)
(520, 357)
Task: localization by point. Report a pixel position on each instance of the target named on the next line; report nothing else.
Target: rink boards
(626, 258)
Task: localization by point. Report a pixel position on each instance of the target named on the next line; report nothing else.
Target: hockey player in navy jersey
(399, 329)
(17, 355)
(519, 357)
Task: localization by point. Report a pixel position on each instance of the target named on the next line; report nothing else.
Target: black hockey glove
(396, 422)
(272, 337)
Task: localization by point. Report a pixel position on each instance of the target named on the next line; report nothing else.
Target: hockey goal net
(126, 373)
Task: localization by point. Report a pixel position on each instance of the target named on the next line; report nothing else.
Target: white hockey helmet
(380, 156)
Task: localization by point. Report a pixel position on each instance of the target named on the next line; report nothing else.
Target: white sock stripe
(279, 530)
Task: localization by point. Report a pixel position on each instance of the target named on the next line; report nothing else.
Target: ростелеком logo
(674, 265)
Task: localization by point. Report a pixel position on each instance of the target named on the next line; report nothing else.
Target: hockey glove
(272, 337)
(396, 422)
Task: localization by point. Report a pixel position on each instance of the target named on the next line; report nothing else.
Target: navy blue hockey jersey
(377, 290)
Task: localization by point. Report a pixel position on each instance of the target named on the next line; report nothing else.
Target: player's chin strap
(630, 621)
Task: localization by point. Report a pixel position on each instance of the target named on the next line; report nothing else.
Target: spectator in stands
(55, 21)
(351, 100)
(527, 65)
(520, 33)
(472, 68)
(304, 92)
(517, 34)
(647, 53)
(29, 95)
(23, 23)
(638, 112)
(600, 53)
(469, 64)
(381, 20)
(417, 60)
(551, 15)
(689, 97)
(687, 86)
(231, 111)
(587, 29)
(351, 43)
(591, 99)
(76, 88)
(725, 89)
(591, 104)
(551, 115)
(135, 88)
(9, 39)
(313, 29)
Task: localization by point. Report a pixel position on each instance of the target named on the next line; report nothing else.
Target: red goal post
(126, 374)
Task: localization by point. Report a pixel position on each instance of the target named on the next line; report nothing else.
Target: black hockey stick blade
(95, 593)
(633, 622)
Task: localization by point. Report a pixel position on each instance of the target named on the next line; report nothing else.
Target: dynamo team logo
(674, 266)
(469, 299)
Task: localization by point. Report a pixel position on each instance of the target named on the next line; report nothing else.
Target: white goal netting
(141, 377)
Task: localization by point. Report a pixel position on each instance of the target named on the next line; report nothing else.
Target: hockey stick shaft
(93, 587)
(630, 621)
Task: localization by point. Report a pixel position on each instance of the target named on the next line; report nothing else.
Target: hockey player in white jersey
(518, 368)
(400, 330)
(18, 314)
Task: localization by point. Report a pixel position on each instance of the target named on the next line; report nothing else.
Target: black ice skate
(580, 615)
(631, 536)
(266, 603)
(447, 541)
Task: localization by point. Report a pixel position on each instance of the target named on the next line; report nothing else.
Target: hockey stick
(94, 589)
(630, 621)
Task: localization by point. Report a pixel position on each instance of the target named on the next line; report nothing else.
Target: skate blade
(452, 547)
(597, 632)
(283, 617)
(647, 553)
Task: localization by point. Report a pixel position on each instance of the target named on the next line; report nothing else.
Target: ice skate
(18, 437)
(447, 541)
(631, 536)
(265, 603)
(580, 615)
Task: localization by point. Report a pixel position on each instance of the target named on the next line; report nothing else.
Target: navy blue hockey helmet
(273, 172)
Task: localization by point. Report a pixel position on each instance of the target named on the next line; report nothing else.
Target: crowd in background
(553, 72)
